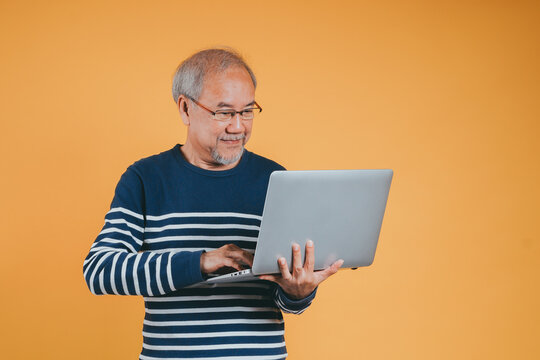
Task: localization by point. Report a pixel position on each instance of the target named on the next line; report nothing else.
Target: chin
(227, 159)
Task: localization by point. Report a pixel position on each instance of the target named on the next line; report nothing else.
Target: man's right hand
(228, 255)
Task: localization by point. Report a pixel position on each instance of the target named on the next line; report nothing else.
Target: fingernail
(309, 243)
(296, 247)
(282, 261)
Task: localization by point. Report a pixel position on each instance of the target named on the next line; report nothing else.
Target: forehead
(231, 86)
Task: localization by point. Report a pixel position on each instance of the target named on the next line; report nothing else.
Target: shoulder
(262, 163)
(153, 164)
(138, 177)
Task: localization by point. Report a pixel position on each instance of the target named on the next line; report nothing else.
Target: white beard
(227, 161)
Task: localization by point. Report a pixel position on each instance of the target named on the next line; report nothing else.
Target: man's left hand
(303, 280)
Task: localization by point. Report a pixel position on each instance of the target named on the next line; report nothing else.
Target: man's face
(215, 142)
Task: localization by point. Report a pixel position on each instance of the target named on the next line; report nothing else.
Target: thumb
(329, 271)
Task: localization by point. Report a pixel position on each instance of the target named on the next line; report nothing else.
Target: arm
(114, 264)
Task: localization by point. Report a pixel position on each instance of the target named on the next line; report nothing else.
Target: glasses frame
(234, 112)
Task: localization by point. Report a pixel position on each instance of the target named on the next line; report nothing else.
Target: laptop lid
(341, 211)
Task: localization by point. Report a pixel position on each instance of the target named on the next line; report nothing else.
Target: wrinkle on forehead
(230, 86)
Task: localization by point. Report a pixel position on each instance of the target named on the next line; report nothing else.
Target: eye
(225, 113)
(248, 114)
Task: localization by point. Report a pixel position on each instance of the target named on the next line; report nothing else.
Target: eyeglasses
(227, 115)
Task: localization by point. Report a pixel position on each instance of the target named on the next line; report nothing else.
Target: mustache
(232, 137)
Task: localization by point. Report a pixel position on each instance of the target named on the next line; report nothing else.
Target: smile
(233, 140)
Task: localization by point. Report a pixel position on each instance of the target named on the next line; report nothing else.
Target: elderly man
(194, 210)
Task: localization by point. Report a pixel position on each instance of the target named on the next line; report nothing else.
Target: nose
(236, 125)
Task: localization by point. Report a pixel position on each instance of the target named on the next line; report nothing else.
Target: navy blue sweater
(164, 214)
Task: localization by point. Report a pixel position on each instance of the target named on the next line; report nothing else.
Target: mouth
(233, 141)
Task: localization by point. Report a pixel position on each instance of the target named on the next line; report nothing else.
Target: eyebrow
(222, 105)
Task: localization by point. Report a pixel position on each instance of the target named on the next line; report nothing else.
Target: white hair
(190, 74)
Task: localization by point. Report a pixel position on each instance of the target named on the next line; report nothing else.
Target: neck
(192, 156)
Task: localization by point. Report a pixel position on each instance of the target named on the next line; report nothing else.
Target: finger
(231, 247)
(228, 255)
(239, 255)
(214, 260)
(249, 258)
(326, 273)
(284, 269)
(231, 263)
(244, 257)
(297, 260)
(310, 256)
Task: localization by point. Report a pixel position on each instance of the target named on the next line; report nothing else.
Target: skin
(233, 89)
(303, 280)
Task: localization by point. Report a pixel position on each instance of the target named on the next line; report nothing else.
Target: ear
(183, 108)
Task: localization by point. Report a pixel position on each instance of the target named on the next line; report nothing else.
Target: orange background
(445, 93)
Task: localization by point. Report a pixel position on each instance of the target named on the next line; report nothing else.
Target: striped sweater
(164, 214)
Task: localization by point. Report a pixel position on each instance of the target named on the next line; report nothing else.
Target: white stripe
(169, 272)
(113, 270)
(203, 298)
(114, 241)
(248, 284)
(106, 249)
(122, 221)
(212, 334)
(213, 322)
(168, 249)
(94, 256)
(123, 274)
(126, 211)
(214, 347)
(201, 238)
(147, 274)
(158, 275)
(102, 259)
(203, 214)
(101, 285)
(202, 226)
(88, 262)
(281, 305)
(236, 357)
(135, 277)
(210, 310)
(125, 232)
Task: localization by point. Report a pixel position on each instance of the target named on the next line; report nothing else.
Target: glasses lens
(223, 116)
(247, 114)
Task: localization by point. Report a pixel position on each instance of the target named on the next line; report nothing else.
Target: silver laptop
(341, 211)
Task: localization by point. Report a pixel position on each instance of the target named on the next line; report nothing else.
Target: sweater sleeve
(292, 306)
(115, 263)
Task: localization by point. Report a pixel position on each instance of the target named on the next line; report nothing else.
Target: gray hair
(189, 77)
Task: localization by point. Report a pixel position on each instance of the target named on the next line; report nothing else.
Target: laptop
(341, 211)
